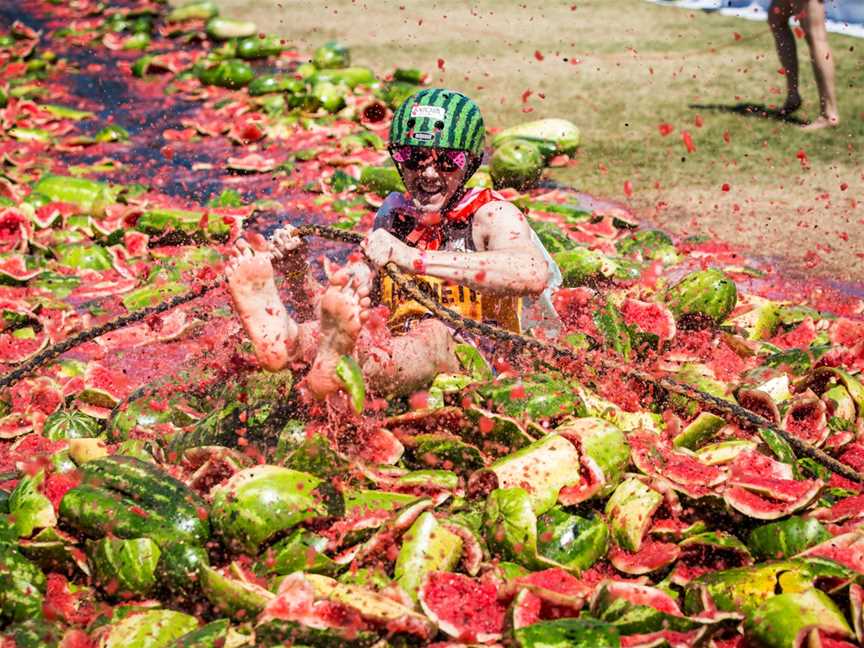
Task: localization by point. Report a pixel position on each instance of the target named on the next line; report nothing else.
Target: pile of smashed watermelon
(156, 489)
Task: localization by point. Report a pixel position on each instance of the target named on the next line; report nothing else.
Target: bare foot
(256, 300)
(340, 325)
(821, 122)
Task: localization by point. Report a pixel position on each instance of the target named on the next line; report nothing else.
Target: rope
(718, 405)
(521, 342)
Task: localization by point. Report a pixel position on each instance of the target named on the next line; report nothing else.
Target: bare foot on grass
(821, 122)
(257, 302)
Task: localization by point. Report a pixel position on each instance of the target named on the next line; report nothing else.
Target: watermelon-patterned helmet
(439, 118)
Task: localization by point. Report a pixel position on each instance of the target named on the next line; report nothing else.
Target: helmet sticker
(431, 112)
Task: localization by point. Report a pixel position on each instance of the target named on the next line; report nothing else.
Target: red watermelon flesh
(15, 349)
(699, 559)
(854, 455)
(135, 243)
(670, 528)
(464, 608)
(56, 485)
(602, 228)
(591, 480)
(652, 556)
(48, 213)
(826, 641)
(576, 308)
(381, 447)
(472, 550)
(650, 317)
(759, 402)
(37, 395)
(14, 266)
(652, 457)
(751, 462)
(846, 549)
(526, 609)
(807, 419)
(161, 329)
(294, 601)
(15, 230)
(783, 490)
(320, 614)
(762, 508)
(644, 595)
(62, 604)
(552, 581)
(798, 338)
(104, 387)
(846, 332)
(14, 425)
(849, 507)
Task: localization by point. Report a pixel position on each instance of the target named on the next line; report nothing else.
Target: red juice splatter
(688, 141)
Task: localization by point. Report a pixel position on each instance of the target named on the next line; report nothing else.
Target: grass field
(619, 70)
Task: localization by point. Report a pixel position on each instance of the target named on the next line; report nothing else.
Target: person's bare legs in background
(811, 14)
(813, 24)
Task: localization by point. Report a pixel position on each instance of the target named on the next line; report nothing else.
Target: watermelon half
(655, 319)
(762, 488)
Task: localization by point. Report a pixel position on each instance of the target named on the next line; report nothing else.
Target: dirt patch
(620, 70)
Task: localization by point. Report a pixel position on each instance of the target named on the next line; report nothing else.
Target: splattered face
(432, 176)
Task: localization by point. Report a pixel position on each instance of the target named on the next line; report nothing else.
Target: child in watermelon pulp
(471, 250)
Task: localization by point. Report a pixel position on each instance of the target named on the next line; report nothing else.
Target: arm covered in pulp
(506, 262)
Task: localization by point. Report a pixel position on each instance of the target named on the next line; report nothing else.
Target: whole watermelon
(517, 164)
(706, 296)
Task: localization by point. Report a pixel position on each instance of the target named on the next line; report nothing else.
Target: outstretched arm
(507, 261)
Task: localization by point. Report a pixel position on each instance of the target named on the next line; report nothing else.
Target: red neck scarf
(429, 234)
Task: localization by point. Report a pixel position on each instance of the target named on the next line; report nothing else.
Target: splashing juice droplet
(688, 141)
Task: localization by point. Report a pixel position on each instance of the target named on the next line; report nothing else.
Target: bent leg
(256, 300)
(403, 364)
(813, 23)
(784, 40)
